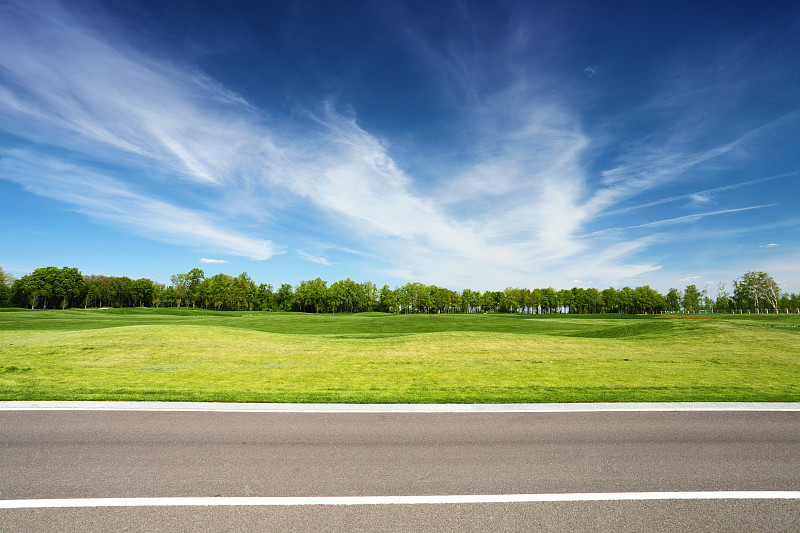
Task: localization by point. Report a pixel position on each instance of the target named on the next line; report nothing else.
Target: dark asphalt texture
(83, 454)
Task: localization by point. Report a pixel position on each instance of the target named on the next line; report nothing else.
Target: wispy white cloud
(314, 259)
(169, 153)
(212, 261)
(175, 124)
(702, 194)
(67, 85)
(649, 167)
(109, 200)
(696, 216)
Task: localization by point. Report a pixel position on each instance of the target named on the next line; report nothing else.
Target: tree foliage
(52, 287)
(756, 290)
(6, 282)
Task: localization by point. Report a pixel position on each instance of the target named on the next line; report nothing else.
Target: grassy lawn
(178, 355)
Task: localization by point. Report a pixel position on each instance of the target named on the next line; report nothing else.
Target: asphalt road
(101, 454)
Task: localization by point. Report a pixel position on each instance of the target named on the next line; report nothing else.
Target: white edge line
(395, 408)
(394, 500)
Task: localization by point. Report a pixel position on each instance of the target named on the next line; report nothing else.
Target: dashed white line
(394, 500)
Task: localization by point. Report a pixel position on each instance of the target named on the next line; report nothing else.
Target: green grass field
(192, 355)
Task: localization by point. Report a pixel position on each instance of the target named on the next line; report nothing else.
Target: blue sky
(462, 144)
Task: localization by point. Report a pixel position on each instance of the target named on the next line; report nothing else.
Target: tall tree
(674, 299)
(218, 291)
(388, 300)
(122, 291)
(564, 300)
(180, 282)
(194, 280)
(761, 287)
(549, 299)
(466, 301)
(691, 298)
(611, 300)
(580, 300)
(625, 297)
(536, 300)
(52, 287)
(594, 300)
(370, 292)
(6, 282)
(143, 291)
(244, 292)
(265, 297)
(723, 298)
(285, 297)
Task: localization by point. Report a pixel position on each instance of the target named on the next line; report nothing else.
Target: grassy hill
(194, 355)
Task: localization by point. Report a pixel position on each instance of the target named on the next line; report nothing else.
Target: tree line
(52, 288)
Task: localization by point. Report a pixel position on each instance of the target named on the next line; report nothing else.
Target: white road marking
(395, 500)
(396, 408)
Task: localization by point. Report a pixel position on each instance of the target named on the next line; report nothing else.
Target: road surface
(139, 455)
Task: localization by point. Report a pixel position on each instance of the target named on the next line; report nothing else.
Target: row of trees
(53, 287)
(755, 291)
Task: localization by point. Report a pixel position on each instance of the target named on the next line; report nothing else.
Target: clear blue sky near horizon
(464, 144)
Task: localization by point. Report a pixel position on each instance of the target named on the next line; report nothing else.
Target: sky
(464, 144)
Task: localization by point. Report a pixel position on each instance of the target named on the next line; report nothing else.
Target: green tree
(536, 300)
(122, 291)
(243, 292)
(723, 302)
(488, 302)
(336, 297)
(143, 291)
(370, 292)
(403, 299)
(565, 300)
(51, 286)
(265, 297)
(789, 302)
(219, 291)
(580, 300)
(674, 299)
(194, 280)
(743, 295)
(757, 289)
(649, 301)
(38, 287)
(611, 299)
(625, 297)
(285, 297)
(388, 300)
(523, 296)
(98, 291)
(312, 294)
(349, 296)
(691, 299)
(594, 300)
(158, 294)
(706, 301)
(466, 301)
(549, 300)
(6, 283)
(180, 282)
(168, 297)
(769, 289)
